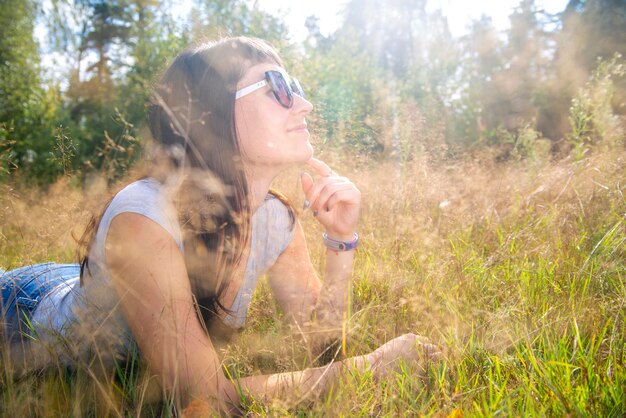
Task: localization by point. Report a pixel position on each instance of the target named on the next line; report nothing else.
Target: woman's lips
(299, 128)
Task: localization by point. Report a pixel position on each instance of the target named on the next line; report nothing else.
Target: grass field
(516, 270)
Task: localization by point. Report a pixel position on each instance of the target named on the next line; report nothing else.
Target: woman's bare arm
(293, 280)
(309, 383)
(149, 275)
(335, 202)
(299, 291)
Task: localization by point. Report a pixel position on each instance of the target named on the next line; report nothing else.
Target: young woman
(174, 258)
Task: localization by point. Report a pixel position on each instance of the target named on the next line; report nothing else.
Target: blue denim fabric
(23, 288)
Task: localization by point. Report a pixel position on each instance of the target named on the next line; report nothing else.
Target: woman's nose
(301, 105)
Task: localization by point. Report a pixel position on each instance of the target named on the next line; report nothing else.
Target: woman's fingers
(431, 351)
(320, 196)
(329, 198)
(314, 188)
(307, 182)
(407, 347)
(322, 189)
(335, 200)
(320, 167)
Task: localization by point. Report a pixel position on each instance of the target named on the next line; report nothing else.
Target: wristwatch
(341, 245)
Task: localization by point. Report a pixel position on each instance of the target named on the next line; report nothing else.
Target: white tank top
(89, 317)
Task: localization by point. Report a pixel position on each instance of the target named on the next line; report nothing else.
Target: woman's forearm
(291, 387)
(299, 385)
(332, 304)
(335, 202)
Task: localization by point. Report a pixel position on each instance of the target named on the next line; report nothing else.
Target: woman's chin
(302, 154)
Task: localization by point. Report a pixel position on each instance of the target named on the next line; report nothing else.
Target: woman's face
(271, 135)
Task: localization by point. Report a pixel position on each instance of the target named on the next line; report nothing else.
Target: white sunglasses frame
(292, 84)
(250, 89)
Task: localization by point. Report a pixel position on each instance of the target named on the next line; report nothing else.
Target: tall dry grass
(517, 270)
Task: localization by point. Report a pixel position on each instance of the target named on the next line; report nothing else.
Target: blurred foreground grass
(517, 270)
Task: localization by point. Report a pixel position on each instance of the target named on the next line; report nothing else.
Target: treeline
(390, 81)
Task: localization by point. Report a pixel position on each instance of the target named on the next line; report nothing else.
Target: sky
(459, 12)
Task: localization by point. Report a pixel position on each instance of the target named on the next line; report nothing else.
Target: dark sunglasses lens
(281, 90)
(297, 88)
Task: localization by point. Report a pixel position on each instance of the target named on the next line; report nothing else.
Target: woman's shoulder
(280, 208)
(140, 188)
(147, 197)
(144, 195)
(273, 224)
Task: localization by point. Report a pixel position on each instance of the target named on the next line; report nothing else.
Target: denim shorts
(23, 289)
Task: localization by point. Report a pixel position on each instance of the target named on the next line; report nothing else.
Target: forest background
(391, 81)
(492, 167)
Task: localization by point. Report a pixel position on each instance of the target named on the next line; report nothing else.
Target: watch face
(340, 245)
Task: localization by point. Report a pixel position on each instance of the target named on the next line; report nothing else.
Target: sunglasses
(277, 80)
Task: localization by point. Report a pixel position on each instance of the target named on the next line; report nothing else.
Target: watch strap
(341, 245)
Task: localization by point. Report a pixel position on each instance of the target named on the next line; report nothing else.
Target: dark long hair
(192, 121)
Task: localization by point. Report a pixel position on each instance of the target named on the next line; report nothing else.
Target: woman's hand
(407, 347)
(334, 200)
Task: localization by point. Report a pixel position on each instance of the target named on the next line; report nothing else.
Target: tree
(526, 69)
(385, 52)
(153, 40)
(25, 109)
(341, 79)
(482, 58)
(388, 30)
(216, 18)
(117, 48)
(593, 30)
